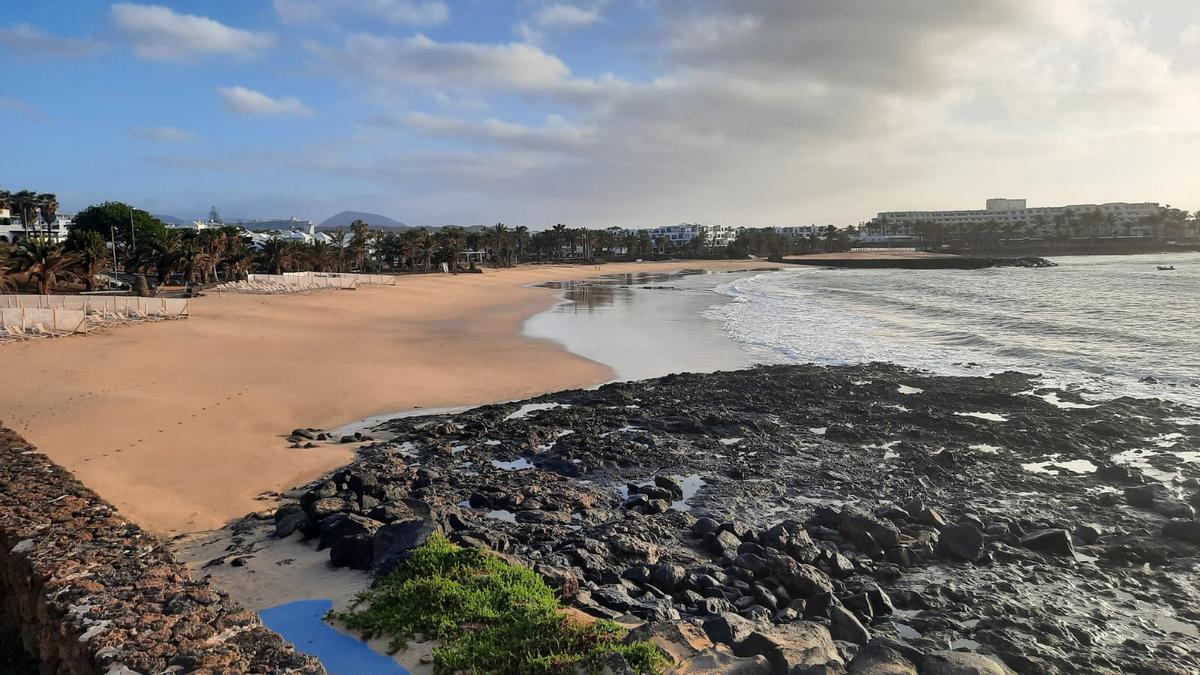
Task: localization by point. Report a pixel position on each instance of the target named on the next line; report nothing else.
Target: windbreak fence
(34, 316)
(302, 282)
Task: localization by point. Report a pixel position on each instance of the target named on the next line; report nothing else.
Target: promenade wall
(89, 592)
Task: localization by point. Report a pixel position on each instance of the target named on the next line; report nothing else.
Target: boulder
(845, 626)
(666, 577)
(1173, 508)
(1184, 530)
(729, 628)
(725, 543)
(1056, 542)
(866, 531)
(704, 526)
(878, 659)
(963, 541)
(791, 538)
(324, 507)
(344, 525)
(1088, 533)
(792, 648)
(670, 484)
(288, 519)
(394, 543)
(1143, 496)
(354, 551)
(963, 663)
(713, 662)
(630, 548)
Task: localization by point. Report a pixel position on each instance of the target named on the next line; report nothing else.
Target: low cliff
(90, 592)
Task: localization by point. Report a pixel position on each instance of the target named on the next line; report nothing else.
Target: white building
(12, 230)
(1123, 219)
(715, 236)
(801, 231)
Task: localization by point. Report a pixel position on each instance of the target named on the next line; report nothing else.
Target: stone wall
(90, 592)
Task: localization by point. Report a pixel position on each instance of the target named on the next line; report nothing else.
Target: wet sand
(181, 424)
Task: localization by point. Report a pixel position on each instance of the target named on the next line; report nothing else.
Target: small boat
(1166, 268)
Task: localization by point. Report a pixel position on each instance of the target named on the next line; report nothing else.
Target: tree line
(114, 237)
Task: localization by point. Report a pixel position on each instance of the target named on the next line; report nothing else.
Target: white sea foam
(1103, 326)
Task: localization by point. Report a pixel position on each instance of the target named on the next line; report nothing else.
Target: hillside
(375, 220)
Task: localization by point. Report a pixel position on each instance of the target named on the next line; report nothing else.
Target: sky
(600, 112)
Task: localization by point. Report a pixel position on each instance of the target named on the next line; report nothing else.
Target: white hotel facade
(1035, 221)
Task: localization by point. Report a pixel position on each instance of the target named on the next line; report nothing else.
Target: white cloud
(556, 16)
(160, 33)
(162, 134)
(395, 11)
(418, 60)
(249, 102)
(26, 40)
(767, 112)
(556, 135)
(1190, 35)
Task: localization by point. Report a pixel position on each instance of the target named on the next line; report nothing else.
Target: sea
(1104, 326)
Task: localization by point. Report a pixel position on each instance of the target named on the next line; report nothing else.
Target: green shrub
(490, 616)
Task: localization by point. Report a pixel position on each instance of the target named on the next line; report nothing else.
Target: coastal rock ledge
(83, 590)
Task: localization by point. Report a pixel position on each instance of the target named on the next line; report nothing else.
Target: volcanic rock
(962, 541)
(1057, 542)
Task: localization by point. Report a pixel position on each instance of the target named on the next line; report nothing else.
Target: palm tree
(451, 241)
(240, 258)
(42, 261)
(48, 203)
(338, 239)
(92, 253)
(6, 282)
(25, 204)
(276, 254)
(521, 236)
(358, 241)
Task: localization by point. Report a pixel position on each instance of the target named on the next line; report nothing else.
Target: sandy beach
(182, 424)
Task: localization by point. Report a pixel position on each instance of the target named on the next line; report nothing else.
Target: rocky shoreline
(814, 519)
(944, 262)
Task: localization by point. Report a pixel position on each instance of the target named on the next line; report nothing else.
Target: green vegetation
(490, 616)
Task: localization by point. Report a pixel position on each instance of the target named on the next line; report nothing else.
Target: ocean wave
(1108, 329)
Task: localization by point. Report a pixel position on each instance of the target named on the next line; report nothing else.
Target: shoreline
(881, 485)
(194, 435)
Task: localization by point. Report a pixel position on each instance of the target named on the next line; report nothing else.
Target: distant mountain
(172, 220)
(375, 220)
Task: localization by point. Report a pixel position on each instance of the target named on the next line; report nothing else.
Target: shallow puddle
(303, 624)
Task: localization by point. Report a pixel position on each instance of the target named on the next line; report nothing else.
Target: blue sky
(635, 112)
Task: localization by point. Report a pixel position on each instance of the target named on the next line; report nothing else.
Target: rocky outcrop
(90, 592)
(891, 514)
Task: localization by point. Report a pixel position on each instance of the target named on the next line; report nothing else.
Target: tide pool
(303, 624)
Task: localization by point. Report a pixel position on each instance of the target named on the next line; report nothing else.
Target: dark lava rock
(712, 662)
(729, 628)
(845, 626)
(792, 648)
(288, 519)
(325, 507)
(1057, 542)
(963, 663)
(725, 543)
(877, 658)
(704, 526)
(961, 542)
(1173, 508)
(1184, 530)
(791, 538)
(343, 525)
(353, 551)
(394, 543)
(1088, 534)
(1143, 496)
